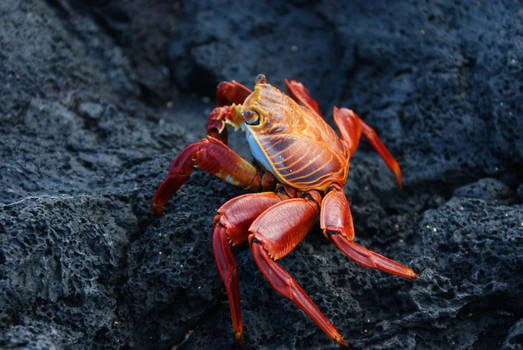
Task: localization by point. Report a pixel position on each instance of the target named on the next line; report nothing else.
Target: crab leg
(273, 235)
(298, 91)
(215, 157)
(231, 227)
(351, 127)
(336, 223)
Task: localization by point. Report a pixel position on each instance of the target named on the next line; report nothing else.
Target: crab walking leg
(212, 156)
(351, 127)
(336, 223)
(298, 91)
(273, 235)
(231, 226)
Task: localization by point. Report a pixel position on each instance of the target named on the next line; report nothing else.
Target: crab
(301, 168)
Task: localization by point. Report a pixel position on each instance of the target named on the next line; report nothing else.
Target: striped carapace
(293, 142)
(303, 166)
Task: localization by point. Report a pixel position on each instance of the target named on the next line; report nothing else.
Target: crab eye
(260, 78)
(251, 117)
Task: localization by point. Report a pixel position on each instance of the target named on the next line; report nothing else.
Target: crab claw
(231, 92)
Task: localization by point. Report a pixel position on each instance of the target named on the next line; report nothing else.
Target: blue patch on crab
(256, 150)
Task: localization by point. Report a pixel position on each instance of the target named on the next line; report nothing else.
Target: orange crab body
(301, 148)
(303, 165)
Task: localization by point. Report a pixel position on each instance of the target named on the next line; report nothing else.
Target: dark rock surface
(97, 97)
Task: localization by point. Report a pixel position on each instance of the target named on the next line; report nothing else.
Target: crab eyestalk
(260, 79)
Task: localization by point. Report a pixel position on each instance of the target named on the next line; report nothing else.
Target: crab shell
(293, 142)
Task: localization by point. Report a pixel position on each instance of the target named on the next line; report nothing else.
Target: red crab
(302, 166)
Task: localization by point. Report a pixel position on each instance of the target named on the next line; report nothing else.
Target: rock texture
(97, 97)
